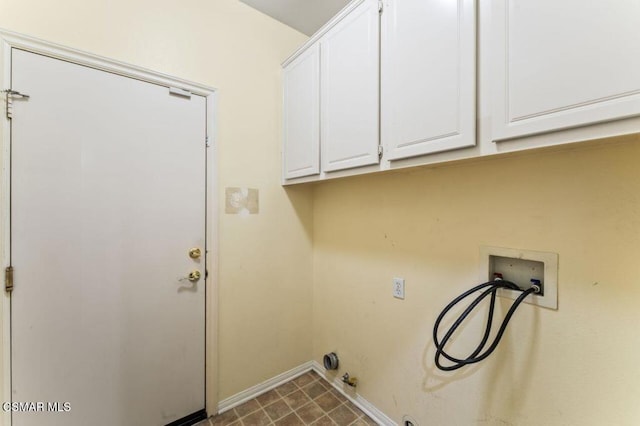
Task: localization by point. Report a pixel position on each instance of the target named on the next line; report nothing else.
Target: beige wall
(225, 44)
(574, 366)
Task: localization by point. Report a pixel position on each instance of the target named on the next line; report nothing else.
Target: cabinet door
(350, 90)
(562, 64)
(301, 152)
(428, 76)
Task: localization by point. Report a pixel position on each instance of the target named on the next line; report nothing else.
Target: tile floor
(306, 400)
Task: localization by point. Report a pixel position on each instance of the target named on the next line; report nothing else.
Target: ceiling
(306, 16)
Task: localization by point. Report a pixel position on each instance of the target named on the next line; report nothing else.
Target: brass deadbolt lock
(194, 276)
(195, 253)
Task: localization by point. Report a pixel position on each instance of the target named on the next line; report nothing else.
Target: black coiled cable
(476, 355)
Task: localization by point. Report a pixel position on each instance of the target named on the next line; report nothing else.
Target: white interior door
(108, 196)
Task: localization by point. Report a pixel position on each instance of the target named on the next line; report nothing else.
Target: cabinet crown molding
(322, 31)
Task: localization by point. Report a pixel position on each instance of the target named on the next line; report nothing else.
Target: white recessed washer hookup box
(522, 267)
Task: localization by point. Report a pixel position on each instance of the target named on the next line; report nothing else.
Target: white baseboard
(369, 409)
(257, 390)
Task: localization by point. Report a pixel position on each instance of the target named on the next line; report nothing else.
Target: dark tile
(203, 423)
(290, 420)
(277, 410)
(247, 408)
(225, 418)
(325, 383)
(324, 421)
(310, 412)
(355, 409)
(304, 380)
(296, 399)
(359, 422)
(327, 402)
(257, 418)
(335, 392)
(268, 398)
(287, 388)
(342, 415)
(314, 390)
(314, 374)
(368, 420)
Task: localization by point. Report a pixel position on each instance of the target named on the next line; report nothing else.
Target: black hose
(476, 355)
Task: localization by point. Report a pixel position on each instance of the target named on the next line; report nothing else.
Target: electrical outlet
(398, 288)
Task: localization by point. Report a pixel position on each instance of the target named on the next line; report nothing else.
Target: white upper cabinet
(401, 74)
(350, 90)
(428, 76)
(301, 150)
(563, 64)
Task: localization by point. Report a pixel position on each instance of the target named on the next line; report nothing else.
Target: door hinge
(380, 151)
(380, 6)
(206, 141)
(8, 279)
(9, 96)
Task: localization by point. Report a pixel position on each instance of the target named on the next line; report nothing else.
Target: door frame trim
(10, 40)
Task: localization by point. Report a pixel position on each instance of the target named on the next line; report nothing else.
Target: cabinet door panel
(350, 90)
(428, 76)
(562, 64)
(301, 153)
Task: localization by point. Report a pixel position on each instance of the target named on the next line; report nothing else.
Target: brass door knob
(195, 253)
(194, 276)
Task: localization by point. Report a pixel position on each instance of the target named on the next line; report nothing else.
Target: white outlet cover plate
(398, 288)
(550, 260)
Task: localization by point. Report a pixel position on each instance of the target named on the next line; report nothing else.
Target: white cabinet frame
(428, 78)
(539, 47)
(350, 90)
(301, 142)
